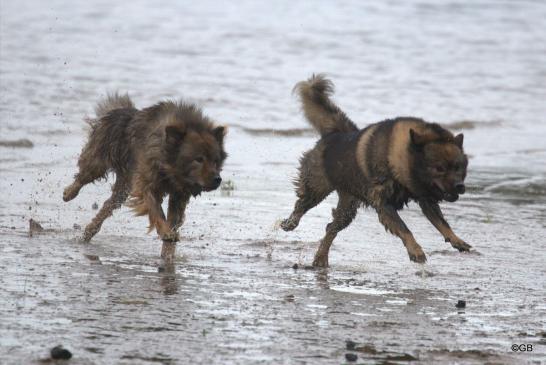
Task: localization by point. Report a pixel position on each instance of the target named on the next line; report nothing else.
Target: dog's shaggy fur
(384, 165)
(170, 148)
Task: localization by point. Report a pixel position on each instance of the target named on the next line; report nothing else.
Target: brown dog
(169, 148)
(384, 165)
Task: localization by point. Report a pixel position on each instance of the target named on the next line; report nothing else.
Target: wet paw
(70, 193)
(416, 254)
(87, 235)
(320, 261)
(461, 245)
(288, 225)
(171, 236)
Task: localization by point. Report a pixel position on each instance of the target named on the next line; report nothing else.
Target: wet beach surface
(235, 294)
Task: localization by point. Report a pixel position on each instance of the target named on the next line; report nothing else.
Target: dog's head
(440, 163)
(195, 157)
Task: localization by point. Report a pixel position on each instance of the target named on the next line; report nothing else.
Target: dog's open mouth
(451, 197)
(196, 189)
(445, 195)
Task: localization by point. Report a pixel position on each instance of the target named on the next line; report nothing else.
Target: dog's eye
(200, 159)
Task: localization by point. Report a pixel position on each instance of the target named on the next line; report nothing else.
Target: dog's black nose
(217, 180)
(460, 188)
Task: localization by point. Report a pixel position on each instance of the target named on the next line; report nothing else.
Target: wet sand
(235, 297)
(240, 291)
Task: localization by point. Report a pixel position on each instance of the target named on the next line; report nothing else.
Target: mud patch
(369, 352)
(272, 132)
(468, 356)
(18, 143)
(470, 124)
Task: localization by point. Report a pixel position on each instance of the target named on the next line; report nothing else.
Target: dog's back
(108, 140)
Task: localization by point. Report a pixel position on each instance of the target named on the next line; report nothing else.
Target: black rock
(59, 353)
(350, 345)
(461, 304)
(295, 266)
(351, 357)
(95, 206)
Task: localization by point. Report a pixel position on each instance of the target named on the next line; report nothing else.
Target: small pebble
(295, 266)
(461, 304)
(59, 353)
(289, 298)
(95, 206)
(351, 357)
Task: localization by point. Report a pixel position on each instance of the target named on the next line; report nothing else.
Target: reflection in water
(168, 281)
(321, 278)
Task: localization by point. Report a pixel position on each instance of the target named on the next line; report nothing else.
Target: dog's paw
(88, 234)
(171, 236)
(320, 261)
(70, 192)
(460, 245)
(416, 254)
(288, 225)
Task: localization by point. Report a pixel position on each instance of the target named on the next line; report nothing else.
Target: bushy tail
(320, 111)
(111, 102)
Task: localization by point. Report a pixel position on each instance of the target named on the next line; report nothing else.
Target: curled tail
(320, 111)
(112, 102)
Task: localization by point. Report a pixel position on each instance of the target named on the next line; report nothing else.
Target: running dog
(170, 148)
(384, 165)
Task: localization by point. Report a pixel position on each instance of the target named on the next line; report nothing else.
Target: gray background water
(234, 297)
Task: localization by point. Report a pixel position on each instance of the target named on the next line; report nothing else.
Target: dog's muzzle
(460, 188)
(216, 181)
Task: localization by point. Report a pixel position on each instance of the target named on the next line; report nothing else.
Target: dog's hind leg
(434, 214)
(343, 215)
(312, 186)
(91, 168)
(120, 191)
(309, 199)
(389, 217)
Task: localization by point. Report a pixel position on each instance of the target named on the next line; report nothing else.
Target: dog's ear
(459, 140)
(418, 140)
(219, 133)
(174, 134)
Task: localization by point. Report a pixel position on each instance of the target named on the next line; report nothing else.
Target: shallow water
(234, 296)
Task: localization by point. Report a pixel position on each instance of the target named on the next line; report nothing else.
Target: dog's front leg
(432, 211)
(157, 218)
(389, 217)
(177, 207)
(175, 218)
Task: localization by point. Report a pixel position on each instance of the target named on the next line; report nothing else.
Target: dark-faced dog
(384, 165)
(170, 148)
